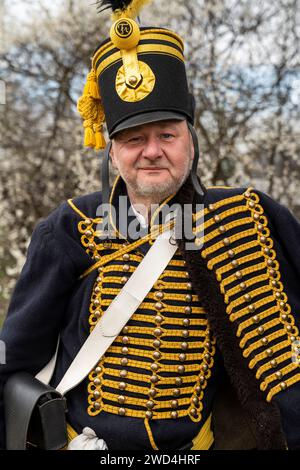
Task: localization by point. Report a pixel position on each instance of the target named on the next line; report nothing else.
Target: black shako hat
(138, 76)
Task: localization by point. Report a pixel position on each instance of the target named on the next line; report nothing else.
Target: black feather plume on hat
(113, 4)
(130, 8)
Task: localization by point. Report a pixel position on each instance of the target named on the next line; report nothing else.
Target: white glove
(88, 440)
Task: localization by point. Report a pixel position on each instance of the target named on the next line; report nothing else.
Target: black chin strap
(105, 174)
(198, 186)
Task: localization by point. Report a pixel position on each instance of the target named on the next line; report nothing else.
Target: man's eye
(135, 139)
(167, 136)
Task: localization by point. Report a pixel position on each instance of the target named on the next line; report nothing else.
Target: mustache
(151, 167)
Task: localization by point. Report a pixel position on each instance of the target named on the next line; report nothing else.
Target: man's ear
(192, 148)
(112, 155)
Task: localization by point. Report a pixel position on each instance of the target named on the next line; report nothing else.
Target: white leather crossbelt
(116, 316)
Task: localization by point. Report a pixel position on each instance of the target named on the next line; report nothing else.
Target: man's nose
(152, 148)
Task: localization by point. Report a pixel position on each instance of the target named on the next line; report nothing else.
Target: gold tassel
(89, 135)
(132, 11)
(91, 86)
(100, 143)
(91, 110)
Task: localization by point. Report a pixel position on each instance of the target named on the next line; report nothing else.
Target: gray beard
(161, 191)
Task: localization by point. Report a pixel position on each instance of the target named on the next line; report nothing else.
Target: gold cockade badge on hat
(134, 80)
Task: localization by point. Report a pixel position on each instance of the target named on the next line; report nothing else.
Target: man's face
(153, 159)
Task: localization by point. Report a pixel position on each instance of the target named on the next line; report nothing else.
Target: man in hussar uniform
(208, 360)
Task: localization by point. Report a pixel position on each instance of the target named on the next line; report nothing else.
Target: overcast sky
(21, 8)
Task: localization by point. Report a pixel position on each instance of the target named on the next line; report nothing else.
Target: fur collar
(264, 418)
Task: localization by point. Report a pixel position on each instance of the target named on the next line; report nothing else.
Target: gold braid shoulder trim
(239, 248)
(85, 227)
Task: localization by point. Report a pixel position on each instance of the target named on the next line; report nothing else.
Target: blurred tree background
(243, 66)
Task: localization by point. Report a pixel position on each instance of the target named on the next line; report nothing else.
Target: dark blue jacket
(49, 298)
